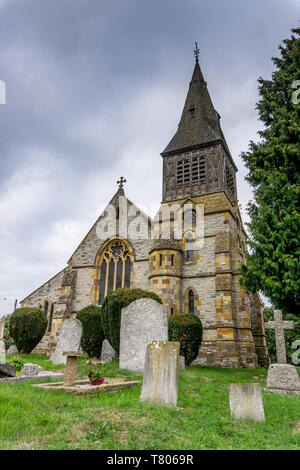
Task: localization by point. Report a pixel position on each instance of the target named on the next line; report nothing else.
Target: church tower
(198, 169)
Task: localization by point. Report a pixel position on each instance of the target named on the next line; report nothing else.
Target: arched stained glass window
(191, 302)
(115, 268)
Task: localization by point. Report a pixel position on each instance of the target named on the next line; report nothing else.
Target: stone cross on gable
(279, 325)
(121, 182)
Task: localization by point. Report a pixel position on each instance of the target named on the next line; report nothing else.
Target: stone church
(196, 272)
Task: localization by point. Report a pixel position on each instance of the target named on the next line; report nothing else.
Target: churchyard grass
(32, 418)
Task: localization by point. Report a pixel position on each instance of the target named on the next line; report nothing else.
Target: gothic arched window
(115, 268)
(189, 248)
(50, 318)
(191, 302)
(46, 306)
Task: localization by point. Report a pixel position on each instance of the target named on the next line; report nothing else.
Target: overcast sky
(95, 90)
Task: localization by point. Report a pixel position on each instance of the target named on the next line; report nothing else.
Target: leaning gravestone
(160, 382)
(246, 402)
(282, 377)
(107, 352)
(142, 322)
(68, 340)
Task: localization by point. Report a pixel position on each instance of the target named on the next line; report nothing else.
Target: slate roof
(204, 127)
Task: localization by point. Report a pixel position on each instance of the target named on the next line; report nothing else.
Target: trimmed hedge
(111, 311)
(187, 329)
(92, 336)
(27, 326)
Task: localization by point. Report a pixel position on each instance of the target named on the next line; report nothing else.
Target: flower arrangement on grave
(18, 363)
(95, 377)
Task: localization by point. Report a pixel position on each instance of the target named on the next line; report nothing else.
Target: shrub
(92, 336)
(111, 311)
(27, 327)
(187, 329)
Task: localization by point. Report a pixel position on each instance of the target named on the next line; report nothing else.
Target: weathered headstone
(282, 377)
(2, 343)
(12, 349)
(279, 325)
(246, 401)
(7, 370)
(181, 362)
(30, 370)
(107, 352)
(68, 340)
(160, 382)
(142, 322)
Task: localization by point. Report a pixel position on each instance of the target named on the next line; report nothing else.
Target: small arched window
(191, 302)
(46, 306)
(190, 248)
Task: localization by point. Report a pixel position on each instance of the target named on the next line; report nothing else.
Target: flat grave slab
(83, 387)
(44, 375)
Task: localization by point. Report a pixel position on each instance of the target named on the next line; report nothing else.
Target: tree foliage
(273, 164)
(27, 327)
(187, 329)
(93, 335)
(111, 311)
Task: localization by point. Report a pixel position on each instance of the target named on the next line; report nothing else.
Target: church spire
(199, 123)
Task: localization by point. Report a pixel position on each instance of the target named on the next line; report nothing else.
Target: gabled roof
(119, 193)
(200, 122)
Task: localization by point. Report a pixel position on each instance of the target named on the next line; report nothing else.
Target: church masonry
(198, 172)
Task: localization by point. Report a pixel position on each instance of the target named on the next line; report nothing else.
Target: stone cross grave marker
(2, 344)
(160, 382)
(279, 325)
(142, 322)
(68, 340)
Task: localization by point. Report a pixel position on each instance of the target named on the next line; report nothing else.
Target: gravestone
(107, 352)
(6, 370)
(2, 343)
(181, 362)
(30, 370)
(69, 339)
(282, 377)
(246, 402)
(160, 381)
(142, 322)
(12, 349)
(279, 325)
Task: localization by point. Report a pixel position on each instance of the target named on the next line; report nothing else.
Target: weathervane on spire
(196, 52)
(121, 181)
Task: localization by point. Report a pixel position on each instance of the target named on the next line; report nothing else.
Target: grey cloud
(95, 89)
